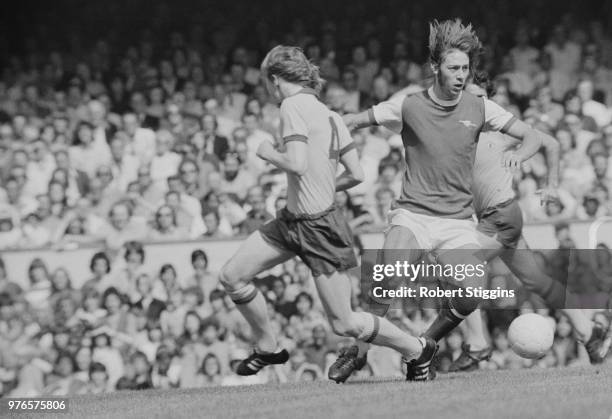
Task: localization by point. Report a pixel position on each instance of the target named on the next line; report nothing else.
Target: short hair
(187, 160)
(75, 139)
(199, 253)
(304, 294)
(37, 263)
(100, 256)
(112, 291)
(290, 64)
(167, 267)
(449, 35)
(134, 247)
(174, 223)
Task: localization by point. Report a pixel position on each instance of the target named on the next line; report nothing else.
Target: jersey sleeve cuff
(508, 124)
(295, 137)
(371, 117)
(347, 148)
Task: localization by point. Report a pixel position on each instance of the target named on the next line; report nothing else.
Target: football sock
(252, 304)
(382, 332)
(452, 313)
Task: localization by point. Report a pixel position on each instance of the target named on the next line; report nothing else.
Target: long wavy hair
(451, 35)
(290, 64)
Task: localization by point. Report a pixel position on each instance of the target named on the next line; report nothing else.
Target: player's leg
(460, 243)
(473, 326)
(334, 290)
(523, 264)
(254, 256)
(503, 224)
(476, 347)
(398, 239)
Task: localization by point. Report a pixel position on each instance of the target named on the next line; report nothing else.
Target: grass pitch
(577, 392)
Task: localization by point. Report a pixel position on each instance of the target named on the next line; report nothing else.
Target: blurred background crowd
(124, 123)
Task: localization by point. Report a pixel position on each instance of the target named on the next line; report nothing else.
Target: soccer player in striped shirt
(315, 140)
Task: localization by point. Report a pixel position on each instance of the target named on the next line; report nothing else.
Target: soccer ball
(531, 335)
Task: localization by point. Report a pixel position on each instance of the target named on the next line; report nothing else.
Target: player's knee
(345, 327)
(229, 278)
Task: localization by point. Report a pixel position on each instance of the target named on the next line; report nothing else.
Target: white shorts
(433, 233)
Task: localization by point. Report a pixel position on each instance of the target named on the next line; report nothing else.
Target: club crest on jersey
(468, 124)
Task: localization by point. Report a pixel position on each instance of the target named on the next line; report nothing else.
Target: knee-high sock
(474, 332)
(453, 311)
(380, 331)
(252, 304)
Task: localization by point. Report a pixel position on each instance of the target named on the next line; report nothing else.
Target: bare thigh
(254, 256)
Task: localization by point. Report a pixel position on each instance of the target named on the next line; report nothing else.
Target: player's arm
(499, 119)
(359, 120)
(293, 159)
(387, 114)
(349, 158)
(353, 172)
(531, 142)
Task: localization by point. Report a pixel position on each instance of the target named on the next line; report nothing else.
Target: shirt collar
(442, 102)
(308, 91)
(304, 90)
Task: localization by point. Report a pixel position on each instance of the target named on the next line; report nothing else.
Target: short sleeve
(388, 113)
(344, 136)
(496, 117)
(293, 125)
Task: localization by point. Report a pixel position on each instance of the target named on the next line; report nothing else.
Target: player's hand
(349, 121)
(548, 194)
(511, 160)
(265, 149)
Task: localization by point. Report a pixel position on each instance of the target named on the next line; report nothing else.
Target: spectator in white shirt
(122, 227)
(165, 226)
(87, 154)
(185, 218)
(39, 169)
(142, 144)
(149, 191)
(124, 167)
(234, 179)
(598, 111)
(165, 163)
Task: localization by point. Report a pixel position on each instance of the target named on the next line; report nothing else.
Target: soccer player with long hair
(440, 127)
(314, 141)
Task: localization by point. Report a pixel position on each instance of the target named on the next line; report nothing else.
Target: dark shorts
(504, 220)
(323, 241)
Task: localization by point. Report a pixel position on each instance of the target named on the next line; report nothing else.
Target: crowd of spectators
(148, 133)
